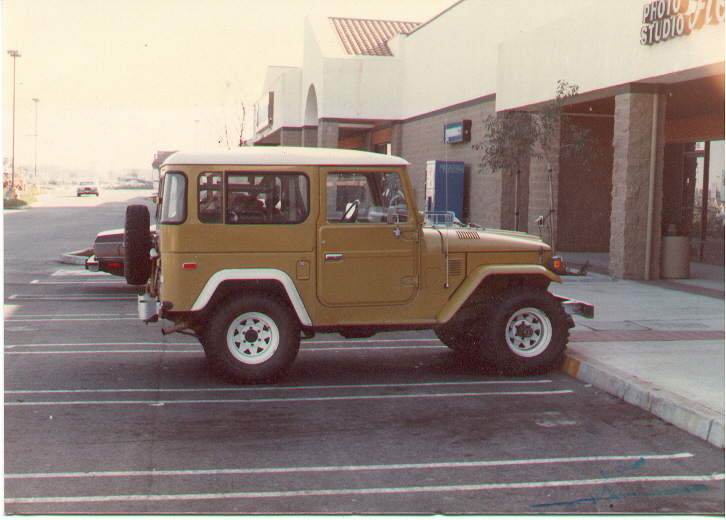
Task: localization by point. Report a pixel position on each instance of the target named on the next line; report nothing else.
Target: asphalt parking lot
(103, 414)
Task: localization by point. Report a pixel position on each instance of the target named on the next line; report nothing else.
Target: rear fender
(276, 275)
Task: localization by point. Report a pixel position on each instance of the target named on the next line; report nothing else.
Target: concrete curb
(696, 419)
(76, 258)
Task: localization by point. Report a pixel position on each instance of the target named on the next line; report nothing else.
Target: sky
(119, 80)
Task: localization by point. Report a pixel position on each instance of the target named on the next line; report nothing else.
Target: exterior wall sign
(459, 132)
(263, 112)
(667, 19)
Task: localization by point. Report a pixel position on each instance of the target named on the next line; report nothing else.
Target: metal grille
(456, 267)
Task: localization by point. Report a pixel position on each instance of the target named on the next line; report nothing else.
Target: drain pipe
(651, 188)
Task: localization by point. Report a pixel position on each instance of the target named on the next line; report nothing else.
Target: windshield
(173, 198)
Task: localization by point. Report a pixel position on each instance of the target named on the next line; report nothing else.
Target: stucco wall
(453, 58)
(598, 47)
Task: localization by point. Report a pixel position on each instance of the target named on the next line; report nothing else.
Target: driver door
(366, 240)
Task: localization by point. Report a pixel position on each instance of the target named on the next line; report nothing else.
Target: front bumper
(574, 307)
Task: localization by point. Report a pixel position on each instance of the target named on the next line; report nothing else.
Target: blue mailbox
(445, 187)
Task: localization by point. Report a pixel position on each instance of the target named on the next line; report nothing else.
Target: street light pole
(14, 54)
(35, 171)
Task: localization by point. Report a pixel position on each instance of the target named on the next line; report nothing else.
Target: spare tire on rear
(137, 245)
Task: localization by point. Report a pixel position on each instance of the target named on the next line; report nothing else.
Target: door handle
(334, 257)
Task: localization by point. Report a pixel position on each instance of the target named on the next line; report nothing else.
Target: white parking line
(79, 272)
(89, 316)
(65, 297)
(35, 320)
(119, 344)
(10, 352)
(370, 467)
(97, 282)
(278, 388)
(77, 352)
(252, 495)
(158, 402)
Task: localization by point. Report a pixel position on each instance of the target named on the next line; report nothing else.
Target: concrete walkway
(658, 345)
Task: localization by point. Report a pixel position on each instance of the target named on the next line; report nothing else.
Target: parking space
(103, 414)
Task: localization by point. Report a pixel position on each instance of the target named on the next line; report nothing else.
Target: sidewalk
(658, 345)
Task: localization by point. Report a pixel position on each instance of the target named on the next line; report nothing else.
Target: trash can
(675, 257)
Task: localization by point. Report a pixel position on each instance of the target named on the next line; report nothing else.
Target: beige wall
(598, 47)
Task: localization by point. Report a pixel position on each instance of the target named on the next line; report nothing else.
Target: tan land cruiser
(257, 247)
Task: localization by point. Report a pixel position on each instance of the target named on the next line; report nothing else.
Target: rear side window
(173, 206)
(254, 198)
(210, 197)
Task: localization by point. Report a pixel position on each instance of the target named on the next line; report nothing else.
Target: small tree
(517, 137)
(232, 121)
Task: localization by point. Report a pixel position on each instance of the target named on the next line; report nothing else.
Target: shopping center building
(650, 77)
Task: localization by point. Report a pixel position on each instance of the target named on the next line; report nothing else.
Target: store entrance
(693, 197)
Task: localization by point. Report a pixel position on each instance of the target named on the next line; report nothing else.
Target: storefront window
(704, 191)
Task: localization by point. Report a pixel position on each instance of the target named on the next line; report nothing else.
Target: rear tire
(252, 339)
(137, 245)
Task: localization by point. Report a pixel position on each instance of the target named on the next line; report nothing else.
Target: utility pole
(14, 54)
(35, 171)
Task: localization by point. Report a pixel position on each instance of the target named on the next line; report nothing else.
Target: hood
(470, 240)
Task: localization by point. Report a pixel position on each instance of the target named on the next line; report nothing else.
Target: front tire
(527, 332)
(252, 339)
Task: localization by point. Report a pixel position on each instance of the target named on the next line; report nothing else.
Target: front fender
(477, 276)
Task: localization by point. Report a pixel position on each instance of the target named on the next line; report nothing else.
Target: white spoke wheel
(252, 339)
(528, 332)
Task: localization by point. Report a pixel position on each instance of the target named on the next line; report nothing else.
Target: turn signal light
(556, 264)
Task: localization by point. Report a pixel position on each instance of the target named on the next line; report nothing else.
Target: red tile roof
(368, 37)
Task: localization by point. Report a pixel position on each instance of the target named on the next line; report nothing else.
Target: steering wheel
(396, 200)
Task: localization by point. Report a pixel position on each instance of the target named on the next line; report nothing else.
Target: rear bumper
(92, 264)
(149, 308)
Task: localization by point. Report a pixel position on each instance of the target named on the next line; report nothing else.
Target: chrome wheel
(528, 332)
(253, 338)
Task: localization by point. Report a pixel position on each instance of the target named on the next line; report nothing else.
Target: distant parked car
(87, 188)
(108, 252)
(136, 184)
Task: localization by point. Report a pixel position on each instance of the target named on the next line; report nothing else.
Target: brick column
(631, 175)
(327, 134)
(310, 136)
(290, 137)
(397, 139)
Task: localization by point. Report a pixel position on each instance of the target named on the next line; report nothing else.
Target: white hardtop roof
(285, 156)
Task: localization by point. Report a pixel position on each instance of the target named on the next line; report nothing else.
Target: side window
(267, 198)
(365, 197)
(173, 207)
(210, 198)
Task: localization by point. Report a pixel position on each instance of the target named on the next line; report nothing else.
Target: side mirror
(392, 217)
